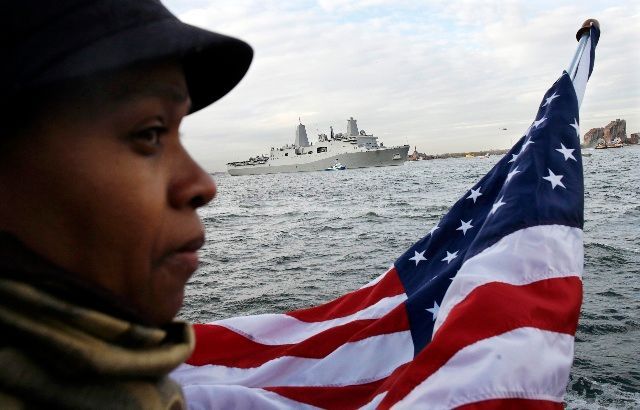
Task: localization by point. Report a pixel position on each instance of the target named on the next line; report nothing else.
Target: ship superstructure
(353, 149)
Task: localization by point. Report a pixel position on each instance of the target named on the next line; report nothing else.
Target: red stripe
(218, 345)
(520, 404)
(337, 397)
(490, 310)
(353, 302)
(343, 397)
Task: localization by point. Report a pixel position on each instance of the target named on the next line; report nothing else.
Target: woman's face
(103, 187)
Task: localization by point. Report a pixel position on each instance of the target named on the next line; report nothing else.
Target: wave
(609, 293)
(632, 210)
(602, 328)
(586, 394)
(328, 228)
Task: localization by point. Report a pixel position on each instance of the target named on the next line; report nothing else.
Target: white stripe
(582, 75)
(358, 362)
(374, 403)
(378, 279)
(526, 363)
(277, 329)
(206, 397)
(523, 257)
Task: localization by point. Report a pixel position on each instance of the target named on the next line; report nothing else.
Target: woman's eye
(148, 140)
(151, 135)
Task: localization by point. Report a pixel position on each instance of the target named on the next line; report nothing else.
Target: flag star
(548, 100)
(418, 257)
(525, 145)
(512, 174)
(434, 310)
(497, 205)
(566, 152)
(536, 123)
(576, 126)
(450, 257)
(475, 193)
(433, 230)
(513, 157)
(554, 179)
(464, 226)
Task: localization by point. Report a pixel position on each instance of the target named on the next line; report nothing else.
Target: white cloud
(443, 75)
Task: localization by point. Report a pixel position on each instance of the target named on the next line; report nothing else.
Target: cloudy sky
(443, 75)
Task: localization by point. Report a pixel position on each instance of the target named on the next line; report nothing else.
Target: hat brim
(213, 63)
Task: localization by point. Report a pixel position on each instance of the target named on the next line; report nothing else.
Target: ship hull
(361, 159)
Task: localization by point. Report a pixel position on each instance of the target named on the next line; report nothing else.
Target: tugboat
(353, 149)
(616, 143)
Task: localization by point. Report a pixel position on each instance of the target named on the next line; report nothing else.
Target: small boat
(586, 154)
(336, 167)
(616, 143)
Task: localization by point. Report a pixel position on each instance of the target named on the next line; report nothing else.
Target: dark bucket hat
(46, 42)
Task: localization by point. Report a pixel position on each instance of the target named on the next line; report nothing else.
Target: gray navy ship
(353, 149)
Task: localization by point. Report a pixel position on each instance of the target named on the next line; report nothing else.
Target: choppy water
(282, 242)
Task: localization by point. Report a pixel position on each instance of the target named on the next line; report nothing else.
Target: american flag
(480, 313)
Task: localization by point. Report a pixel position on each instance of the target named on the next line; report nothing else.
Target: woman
(98, 225)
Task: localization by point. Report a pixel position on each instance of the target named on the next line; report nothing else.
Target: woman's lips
(184, 261)
(192, 245)
(180, 265)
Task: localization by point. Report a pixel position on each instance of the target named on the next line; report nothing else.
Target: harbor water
(288, 241)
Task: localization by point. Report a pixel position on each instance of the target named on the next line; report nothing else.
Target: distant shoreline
(422, 156)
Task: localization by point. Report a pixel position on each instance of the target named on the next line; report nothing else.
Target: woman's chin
(168, 280)
(164, 310)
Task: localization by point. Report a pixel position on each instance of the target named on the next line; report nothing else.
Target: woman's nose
(192, 187)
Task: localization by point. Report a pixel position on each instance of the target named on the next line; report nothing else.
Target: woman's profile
(98, 225)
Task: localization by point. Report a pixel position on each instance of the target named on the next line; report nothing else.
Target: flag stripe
(278, 329)
(490, 310)
(248, 353)
(540, 373)
(330, 397)
(359, 362)
(337, 397)
(373, 404)
(520, 404)
(525, 256)
(353, 302)
(211, 396)
(585, 64)
(377, 279)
